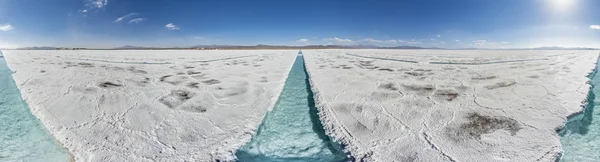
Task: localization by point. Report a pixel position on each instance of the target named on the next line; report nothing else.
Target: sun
(562, 5)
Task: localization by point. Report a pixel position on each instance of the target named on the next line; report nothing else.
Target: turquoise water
(580, 138)
(292, 131)
(22, 136)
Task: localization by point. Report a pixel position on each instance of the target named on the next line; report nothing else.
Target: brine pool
(580, 138)
(292, 131)
(22, 136)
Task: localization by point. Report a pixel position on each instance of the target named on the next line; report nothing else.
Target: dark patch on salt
(109, 85)
(386, 69)
(193, 72)
(479, 124)
(138, 71)
(162, 79)
(484, 78)
(211, 81)
(413, 73)
(193, 85)
(447, 94)
(194, 108)
(501, 85)
(388, 86)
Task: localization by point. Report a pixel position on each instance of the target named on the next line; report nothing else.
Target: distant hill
(408, 47)
(132, 47)
(262, 46)
(37, 48)
(563, 48)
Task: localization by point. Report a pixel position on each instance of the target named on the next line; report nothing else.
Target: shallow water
(292, 130)
(580, 138)
(22, 136)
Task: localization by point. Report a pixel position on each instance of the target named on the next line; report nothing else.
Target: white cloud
(371, 40)
(479, 41)
(487, 44)
(597, 27)
(411, 42)
(125, 17)
(84, 11)
(439, 36)
(96, 3)
(457, 40)
(6, 27)
(302, 40)
(339, 40)
(414, 42)
(137, 20)
(171, 26)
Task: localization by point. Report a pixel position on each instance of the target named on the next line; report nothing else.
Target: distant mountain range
(37, 48)
(563, 48)
(262, 46)
(130, 47)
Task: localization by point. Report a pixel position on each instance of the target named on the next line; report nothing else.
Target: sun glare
(562, 5)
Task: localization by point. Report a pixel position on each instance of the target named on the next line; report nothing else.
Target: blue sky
(429, 23)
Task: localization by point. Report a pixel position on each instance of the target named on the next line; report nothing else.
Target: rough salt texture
(151, 105)
(449, 105)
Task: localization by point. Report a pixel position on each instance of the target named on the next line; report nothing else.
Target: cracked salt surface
(580, 138)
(123, 106)
(292, 130)
(22, 136)
(471, 110)
(380, 109)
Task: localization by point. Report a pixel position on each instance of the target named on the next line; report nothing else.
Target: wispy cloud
(439, 36)
(411, 42)
(84, 11)
(479, 41)
(96, 3)
(414, 42)
(371, 40)
(125, 17)
(487, 44)
(171, 26)
(339, 40)
(137, 20)
(302, 40)
(6, 27)
(596, 27)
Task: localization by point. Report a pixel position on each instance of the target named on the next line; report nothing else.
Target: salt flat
(151, 105)
(449, 105)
